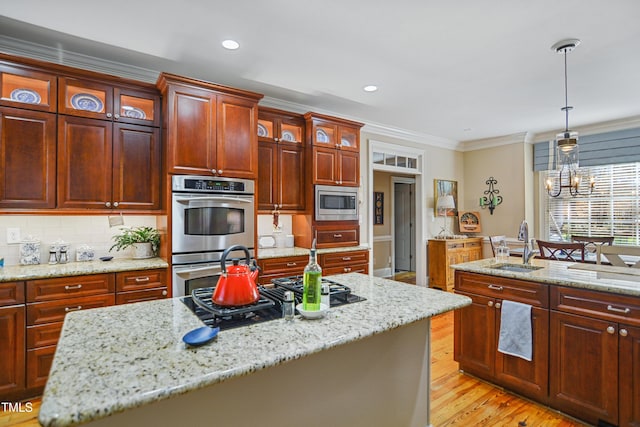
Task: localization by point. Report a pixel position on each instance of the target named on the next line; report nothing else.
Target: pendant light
(567, 141)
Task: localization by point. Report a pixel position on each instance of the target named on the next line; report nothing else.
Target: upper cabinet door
(237, 145)
(85, 98)
(136, 106)
(280, 126)
(27, 88)
(324, 135)
(348, 138)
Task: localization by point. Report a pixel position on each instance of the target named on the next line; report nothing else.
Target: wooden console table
(443, 253)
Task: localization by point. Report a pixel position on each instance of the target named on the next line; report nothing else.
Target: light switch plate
(13, 235)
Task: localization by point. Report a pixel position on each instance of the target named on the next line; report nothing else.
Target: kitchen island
(364, 364)
(582, 340)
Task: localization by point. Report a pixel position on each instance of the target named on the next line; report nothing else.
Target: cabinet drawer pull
(346, 258)
(142, 279)
(72, 287)
(623, 332)
(611, 330)
(347, 269)
(618, 310)
(292, 264)
(337, 236)
(495, 287)
(68, 309)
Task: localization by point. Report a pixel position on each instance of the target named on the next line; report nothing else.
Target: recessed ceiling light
(230, 44)
(370, 88)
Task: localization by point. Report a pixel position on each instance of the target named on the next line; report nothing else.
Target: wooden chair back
(591, 243)
(561, 251)
(495, 242)
(612, 254)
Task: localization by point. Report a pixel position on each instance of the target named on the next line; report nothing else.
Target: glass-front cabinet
(96, 100)
(280, 126)
(27, 88)
(332, 132)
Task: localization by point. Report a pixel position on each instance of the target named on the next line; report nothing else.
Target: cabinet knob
(108, 204)
(490, 303)
(276, 139)
(115, 204)
(623, 332)
(347, 269)
(164, 293)
(116, 116)
(213, 171)
(498, 305)
(109, 115)
(219, 171)
(611, 330)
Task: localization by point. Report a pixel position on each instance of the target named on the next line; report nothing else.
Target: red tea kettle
(237, 284)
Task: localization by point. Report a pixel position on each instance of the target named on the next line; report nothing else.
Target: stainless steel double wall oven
(208, 215)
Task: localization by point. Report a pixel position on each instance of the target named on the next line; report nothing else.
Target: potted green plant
(145, 241)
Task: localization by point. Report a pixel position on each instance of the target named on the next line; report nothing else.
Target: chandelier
(567, 141)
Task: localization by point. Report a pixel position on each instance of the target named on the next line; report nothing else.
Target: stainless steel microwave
(334, 203)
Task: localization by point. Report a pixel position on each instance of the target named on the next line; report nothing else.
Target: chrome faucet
(523, 235)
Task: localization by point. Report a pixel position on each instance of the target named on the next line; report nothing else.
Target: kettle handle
(231, 249)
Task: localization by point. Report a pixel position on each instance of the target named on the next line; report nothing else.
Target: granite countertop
(44, 271)
(116, 358)
(264, 253)
(605, 278)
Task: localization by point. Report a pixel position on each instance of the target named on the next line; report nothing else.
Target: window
(613, 209)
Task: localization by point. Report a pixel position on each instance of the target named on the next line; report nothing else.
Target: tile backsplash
(92, 230)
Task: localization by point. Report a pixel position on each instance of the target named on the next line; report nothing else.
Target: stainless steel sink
(516, 268)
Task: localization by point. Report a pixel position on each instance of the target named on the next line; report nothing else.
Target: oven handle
(214, 198)
(189, 271)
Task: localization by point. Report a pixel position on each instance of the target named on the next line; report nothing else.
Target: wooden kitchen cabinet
(105, 101)
(274, 268)
(443, 253)
(25, 87)
(12, 340)
(595, 356)
(336, 150)
(281, 169)
(136, 286)
(27, 159)
(344, 262)
(210, 129)
(477, 329)
(105, 165)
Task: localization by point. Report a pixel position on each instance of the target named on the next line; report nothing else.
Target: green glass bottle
(312, 282)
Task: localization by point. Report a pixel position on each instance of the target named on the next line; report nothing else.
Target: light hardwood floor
(456, 399)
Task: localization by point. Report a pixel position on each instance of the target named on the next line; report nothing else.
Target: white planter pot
(142, 250)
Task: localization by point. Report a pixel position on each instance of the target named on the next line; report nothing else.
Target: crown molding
(479, 144)
(373, 128)
(40, 52)
(601, 127)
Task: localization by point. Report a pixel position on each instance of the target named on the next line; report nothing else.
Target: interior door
(404, 218)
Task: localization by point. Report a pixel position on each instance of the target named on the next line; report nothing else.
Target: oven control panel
(211, 185)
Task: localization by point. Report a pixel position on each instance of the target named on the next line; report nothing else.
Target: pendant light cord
(566, 94)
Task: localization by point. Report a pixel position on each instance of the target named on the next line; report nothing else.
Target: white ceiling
(446, 70)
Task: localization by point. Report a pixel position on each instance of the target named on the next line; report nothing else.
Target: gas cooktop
(268, 306)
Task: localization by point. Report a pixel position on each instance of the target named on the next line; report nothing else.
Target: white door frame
(400, 180)
(420, 197)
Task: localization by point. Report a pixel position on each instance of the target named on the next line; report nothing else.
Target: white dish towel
(516, 336)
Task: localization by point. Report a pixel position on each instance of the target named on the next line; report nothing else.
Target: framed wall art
(378, 208)
(442, 188)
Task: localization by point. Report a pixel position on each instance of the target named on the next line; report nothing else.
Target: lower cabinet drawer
(360, 268)
(533, 293)
(43, 335)
(288, 264)
(339, 259)
(139, 296)
(54, 311)
(139, 280)
(38, 365)
(69, 287)
(604, 306)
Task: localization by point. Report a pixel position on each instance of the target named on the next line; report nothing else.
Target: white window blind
(613, 209)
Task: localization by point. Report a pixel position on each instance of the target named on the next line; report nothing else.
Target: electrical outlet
(13, 235)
